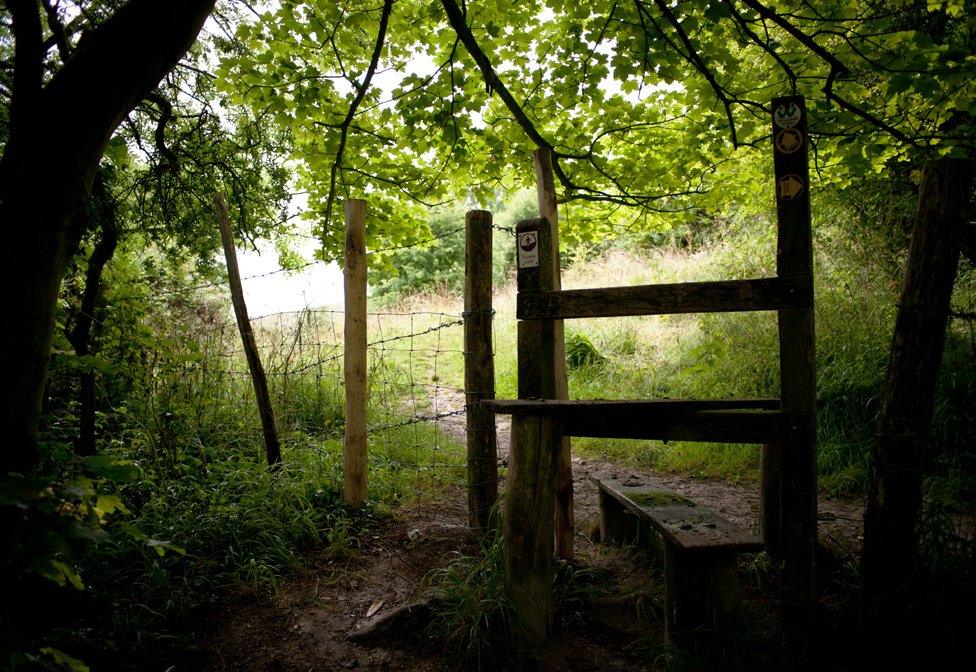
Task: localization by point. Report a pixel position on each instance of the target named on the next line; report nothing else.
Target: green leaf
(161, 547)
(64, 660)
(60, 573)
(111, 469)
(717, 11)
(106, 505)
(133, 531)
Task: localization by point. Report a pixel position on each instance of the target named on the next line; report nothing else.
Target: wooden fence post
(479, 371)
(532, 462)
(895, 490)
(272, 448)
(564, 522)
(770, 501)
(354, 357)
(798, 458)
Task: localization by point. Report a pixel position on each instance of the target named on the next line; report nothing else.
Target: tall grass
(201, 514)
(735, 355)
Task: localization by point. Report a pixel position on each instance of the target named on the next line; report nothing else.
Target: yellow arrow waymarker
(788, 140)
(789, 187)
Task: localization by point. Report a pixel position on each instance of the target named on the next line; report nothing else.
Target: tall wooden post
(354, 358)
(797, 345)
(272, 448)
(529, 501)
(564, 522)
(479, 371)
(895, 491)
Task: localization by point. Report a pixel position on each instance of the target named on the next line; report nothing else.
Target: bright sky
(316, 286)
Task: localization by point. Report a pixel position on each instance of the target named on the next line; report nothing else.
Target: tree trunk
(80, 334)
(895, 491)
(272, 447)
(58, 132)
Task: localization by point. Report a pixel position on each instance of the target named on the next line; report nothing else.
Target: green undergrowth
(122, 557)
(478, 625)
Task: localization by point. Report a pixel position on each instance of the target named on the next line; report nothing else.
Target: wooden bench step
(680, 521)
(718, 420)
(759, 294)
(700, 548)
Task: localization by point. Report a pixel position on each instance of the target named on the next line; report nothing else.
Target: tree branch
(57, 29)
(837, 69)
(699, 64)
(361, 90)
(492, 81)
(138, 45)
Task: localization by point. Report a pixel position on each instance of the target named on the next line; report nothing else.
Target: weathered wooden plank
(700, 546)
(771, 498)
(794, 259)
(479, 372)
(529, 510)
(685, 297)
(663, 406)
(717, 420)
(731, 426)
(548, 209)
(529, 502)
(680, 521)
(640, 420)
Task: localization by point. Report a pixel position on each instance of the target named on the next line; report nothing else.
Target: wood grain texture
(652, 407)
(895, 491)
(681, 522)
(664, 420)
(532, 464)
(700, 549)
(798, 461)
(770, 497)
(479, 372)
(354, 357)
(529, 523)
(549, 210)
(688, 297)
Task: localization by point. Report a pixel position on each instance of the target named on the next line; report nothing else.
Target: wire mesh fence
(192, 397)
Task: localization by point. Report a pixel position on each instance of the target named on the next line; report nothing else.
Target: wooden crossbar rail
(722, 296)
(650, 406)
(720, 421)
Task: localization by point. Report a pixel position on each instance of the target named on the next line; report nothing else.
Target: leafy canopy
(651, 107)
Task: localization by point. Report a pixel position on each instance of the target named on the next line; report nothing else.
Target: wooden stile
(354, 356)
(543, 416)
(479, 372)
(548, 209)
(272, 447)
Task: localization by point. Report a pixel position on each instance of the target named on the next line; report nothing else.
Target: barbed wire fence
(416, 398)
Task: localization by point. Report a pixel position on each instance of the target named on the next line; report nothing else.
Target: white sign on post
(528, 249)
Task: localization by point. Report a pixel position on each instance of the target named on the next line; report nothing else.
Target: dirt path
(303, 625)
